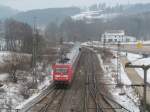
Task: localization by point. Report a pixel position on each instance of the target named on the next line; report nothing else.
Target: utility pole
(118, 64)
(99, 40)
(145, 69)
(61, 50)
(104, 41)
(34, 51)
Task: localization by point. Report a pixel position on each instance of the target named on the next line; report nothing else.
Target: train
(63, 70)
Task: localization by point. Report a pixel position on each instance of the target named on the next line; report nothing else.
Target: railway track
(54, 103)
(103, 101)
(73, 100)
(62, 99)
(85, 94)
(47, 103)
(98, 104)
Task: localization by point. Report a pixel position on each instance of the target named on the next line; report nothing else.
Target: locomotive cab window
(61, 70)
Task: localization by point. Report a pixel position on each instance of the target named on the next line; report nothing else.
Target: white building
(114, 36)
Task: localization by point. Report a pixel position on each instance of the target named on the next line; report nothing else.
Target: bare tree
(18, 36)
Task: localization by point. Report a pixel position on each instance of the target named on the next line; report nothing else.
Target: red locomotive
(64, 69)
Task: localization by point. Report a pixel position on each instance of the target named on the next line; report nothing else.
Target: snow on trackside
(45, 84)
(41, 87)
(129, 100)
(21, 105)
(145, 61)
(101, 62)
(124, 77)
(137, 59)
(133, 57)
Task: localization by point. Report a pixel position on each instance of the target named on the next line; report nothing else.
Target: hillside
(105, 12)
(132, 8)
(6, 12)
(45, 16)
(137, 8)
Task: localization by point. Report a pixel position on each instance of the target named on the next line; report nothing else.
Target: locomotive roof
(71, 56)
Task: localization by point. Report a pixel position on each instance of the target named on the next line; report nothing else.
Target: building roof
(115, 32)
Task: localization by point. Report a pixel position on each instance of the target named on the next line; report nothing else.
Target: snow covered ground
(124, 77)
(12, 94)
(129, 100)
(137, 59)
(43, 86)
(3, 55)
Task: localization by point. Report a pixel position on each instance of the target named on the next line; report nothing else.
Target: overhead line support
(145, 69)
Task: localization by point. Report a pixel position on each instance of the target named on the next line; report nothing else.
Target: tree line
(136, 25)
(19, 36)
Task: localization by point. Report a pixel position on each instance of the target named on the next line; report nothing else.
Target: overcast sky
(40, 4)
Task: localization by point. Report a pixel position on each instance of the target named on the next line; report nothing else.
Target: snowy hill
(94, 15)
(47, 15)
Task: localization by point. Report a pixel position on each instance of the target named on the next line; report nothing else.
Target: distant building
(114, 36)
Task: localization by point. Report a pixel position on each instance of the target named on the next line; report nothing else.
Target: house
(114, 36)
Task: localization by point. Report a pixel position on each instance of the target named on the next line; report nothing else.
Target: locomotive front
(62, 74)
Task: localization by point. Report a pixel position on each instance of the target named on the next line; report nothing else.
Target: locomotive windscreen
(61, 70)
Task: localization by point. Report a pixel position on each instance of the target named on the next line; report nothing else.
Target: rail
(37, 99)
(56, 94)
(95, 93)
